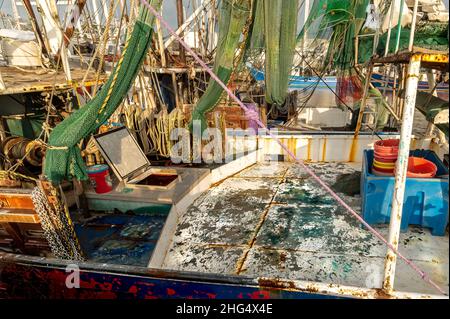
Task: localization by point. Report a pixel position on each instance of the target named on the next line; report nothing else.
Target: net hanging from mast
(63, 157)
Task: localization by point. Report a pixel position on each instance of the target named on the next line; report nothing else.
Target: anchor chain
(56, 222)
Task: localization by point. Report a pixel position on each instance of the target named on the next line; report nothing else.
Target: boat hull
(33, 277)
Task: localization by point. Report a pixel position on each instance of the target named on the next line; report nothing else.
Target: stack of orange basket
(385, 155)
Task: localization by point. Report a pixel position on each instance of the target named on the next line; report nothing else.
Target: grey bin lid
(122, 152)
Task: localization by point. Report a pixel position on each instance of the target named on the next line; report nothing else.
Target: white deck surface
(272, 220)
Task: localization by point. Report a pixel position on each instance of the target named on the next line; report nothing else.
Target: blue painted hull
(33, 277)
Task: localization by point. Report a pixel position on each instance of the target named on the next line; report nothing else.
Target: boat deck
(272, 220)
(121, 239)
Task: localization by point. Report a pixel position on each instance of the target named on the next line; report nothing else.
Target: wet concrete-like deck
(273, 220)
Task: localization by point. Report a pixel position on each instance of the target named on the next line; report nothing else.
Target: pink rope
(422, 274)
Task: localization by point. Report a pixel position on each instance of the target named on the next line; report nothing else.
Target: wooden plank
(16, 201)
(15, 233)
(25, 81)
(432, 58)
(19, 216)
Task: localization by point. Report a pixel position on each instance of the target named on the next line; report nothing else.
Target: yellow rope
(15, 175)
(163, 124)
(116, 73)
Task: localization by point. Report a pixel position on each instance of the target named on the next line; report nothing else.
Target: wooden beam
(16, 235)
(19, 216)
(180, 19)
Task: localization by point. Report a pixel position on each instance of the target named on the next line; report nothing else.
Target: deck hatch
(123, 154)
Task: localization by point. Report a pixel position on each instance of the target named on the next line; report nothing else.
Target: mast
(180, 19)
(73, 19)
(16, 14)
(96, 15)
(35, 27)
(55, 35)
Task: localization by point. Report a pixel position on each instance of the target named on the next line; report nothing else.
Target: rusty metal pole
(180, 18)
(391, 16)
(413, 26)
(401, 170)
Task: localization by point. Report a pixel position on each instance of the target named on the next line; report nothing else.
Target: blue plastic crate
(425, 202)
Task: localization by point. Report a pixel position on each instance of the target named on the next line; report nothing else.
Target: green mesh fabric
(336, 22)
(63, 157)
(331, 28)
(255, 42)
(433, 36)
(280, 21)
(232, 19)
(273, 28)
(430, 106)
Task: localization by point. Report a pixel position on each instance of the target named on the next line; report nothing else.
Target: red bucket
(100, 180)
(421, 168)
(385, 160)
(386, 149)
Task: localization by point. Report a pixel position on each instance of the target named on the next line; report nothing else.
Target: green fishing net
(232, 19)
(329, 33)
(63, 157)
(280, 28)
(432, 35)
(273, 30)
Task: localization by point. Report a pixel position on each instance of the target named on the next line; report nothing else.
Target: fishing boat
(297, 82)
(155, 171)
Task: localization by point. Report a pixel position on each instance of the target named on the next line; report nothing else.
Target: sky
(169, 9)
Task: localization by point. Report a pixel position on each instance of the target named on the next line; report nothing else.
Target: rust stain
(357, 294)
(352, 154)
(269, 283)
(276, 284)
(381, 294)
(324, 149)
(413, 144)
(291, 145)
(308, 156)
(436, 58)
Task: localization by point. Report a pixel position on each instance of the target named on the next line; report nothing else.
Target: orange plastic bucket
(386, 151)
(385, 160)
(387, 147)
(421, 168)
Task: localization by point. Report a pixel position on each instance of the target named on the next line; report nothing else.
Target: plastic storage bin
(425, 202)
